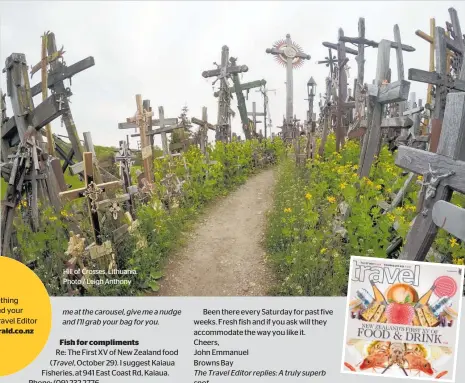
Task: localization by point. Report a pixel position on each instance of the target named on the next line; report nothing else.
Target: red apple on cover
(400, 313)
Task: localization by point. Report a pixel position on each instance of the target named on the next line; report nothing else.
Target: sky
(160, 49)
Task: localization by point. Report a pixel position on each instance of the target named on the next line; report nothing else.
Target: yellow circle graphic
(25, 316)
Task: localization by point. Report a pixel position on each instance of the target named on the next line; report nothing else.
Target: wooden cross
(204, 125)
(164, 128)
(238, 88)
(254, 115)
(330, 60)
(92, 192)
(413, 136)
(431, 40)
(223, 73)
(443, 173)
(130, 124)
(29, 168)
(57, 74)
(440, 78)
(141, 120)
(380, 94)
(342, 103)
(125, 160)
(359, 88)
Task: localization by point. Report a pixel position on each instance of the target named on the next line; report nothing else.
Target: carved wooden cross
(380, 94)
(204, 125)
(223, 73)
(92, 192)
(141, 120)
(443, 173)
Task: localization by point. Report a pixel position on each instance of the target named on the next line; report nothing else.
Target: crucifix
(92, 192)
(290, 55)
(140, 121)
(341, 77)
(204, 125)
(441, 79)
(254, 115)
(443, 173)
(380, 94)
(27, 171)
(223, 73)
(59, 72)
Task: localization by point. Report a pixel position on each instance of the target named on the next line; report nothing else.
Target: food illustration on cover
(402, 318)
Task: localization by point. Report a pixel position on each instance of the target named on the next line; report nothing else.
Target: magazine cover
(402, 318)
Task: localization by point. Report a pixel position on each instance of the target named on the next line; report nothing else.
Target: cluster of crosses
(429, 139)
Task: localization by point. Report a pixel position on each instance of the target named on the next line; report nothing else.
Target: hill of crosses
(371, 170)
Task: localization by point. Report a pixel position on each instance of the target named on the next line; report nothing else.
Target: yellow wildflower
(399, 210)
(24, 203)
(308, 196)
(323, 250)
(355, 167)
(391, 217)
(459, 261)
(331, 199)
(389, 190)
(369, 182)
(52, 218)
(410, 207)
(378, 187)
(287, 210)
(453, 242)
(343, 185)
(420, 178)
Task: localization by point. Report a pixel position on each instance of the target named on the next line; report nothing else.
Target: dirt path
(224, 255)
